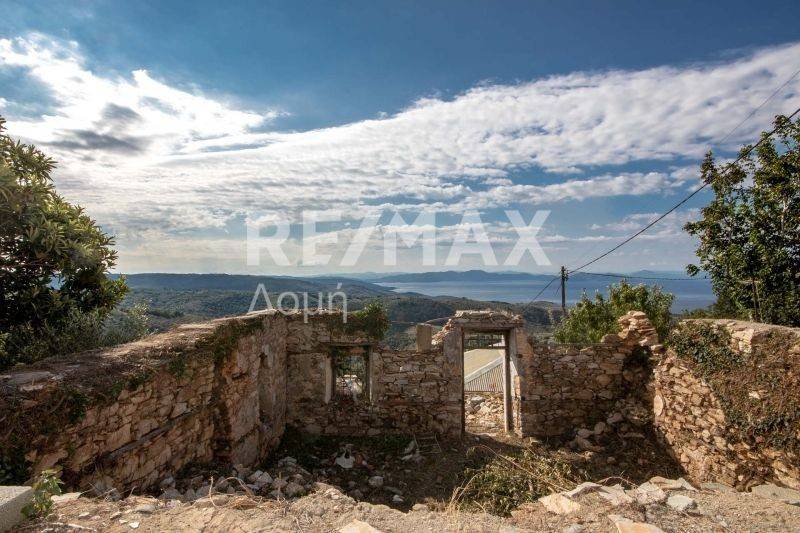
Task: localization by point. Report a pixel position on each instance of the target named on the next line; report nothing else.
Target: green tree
(53, 258)
(589, 320)
(750, 232)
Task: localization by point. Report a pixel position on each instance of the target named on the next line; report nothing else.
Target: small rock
(133, 525)
(410, 447)
(278, 483)
(681, 503)
(167, 482)
(293, 489)
(615, 495)
(559, 504)
(420, 507)
(619, 518)
(647, 494)
(375, 481)
(615, 418)
(637, 527)
(345, 460)
(585, 433)
(574, 528)
(145, 508)
(397, 498)
(357, 526)
(671, 484)
(772, 491)
(252, 478)
(84, 514)
(717, 487)
(66, 497)
(600, 428)
(190, 495)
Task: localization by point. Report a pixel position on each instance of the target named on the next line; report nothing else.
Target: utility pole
(564, 290)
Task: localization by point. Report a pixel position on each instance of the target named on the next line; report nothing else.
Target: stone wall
(561, 387)
(690, 418)
(409, 391)
(127, 416)
(222, 391)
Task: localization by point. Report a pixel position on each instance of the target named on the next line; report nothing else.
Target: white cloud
(143, 155)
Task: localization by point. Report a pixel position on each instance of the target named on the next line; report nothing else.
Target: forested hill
(236, 282)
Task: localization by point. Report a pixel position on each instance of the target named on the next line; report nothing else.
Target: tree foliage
(750, 232)
(53, 257)
(590, 319)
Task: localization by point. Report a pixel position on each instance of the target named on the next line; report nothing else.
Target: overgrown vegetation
(371, 319)
(54, 261)
(757, 392)
(590, 319)
(44, 488)
(503, 483)
(750, 232)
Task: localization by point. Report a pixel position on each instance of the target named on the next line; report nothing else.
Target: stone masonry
(560, 387)
(410, 391)
(225, 391)
(691, 421)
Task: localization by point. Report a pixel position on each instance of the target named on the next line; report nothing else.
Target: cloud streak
(146, 157)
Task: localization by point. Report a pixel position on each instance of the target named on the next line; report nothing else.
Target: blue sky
(175, 122)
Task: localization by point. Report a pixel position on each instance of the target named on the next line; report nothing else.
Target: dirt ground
(431, 479)
(327, 509)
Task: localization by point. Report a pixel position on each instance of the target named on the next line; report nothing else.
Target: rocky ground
(484, 413)
(488, 481)
(657, 505)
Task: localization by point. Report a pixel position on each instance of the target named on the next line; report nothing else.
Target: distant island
(482, 275)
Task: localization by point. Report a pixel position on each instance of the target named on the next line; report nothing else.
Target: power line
(545, 288)
(756, 110)
(689, 197)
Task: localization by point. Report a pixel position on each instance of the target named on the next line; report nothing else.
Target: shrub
(371, 319)
(78, 332)
(589, 320)
(45, 487)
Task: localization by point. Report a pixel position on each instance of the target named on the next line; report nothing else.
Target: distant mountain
(453, 275)
(483, 276)
(182, 298)
(236, 282)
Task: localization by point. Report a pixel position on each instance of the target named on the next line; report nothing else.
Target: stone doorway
(486, 384)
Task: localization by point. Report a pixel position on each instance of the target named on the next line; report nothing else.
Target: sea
(689, 294)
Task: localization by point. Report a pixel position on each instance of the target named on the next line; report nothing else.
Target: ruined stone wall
(562, 387)
(223, 391)
(409, 391)
(128, 416)
(690, 418)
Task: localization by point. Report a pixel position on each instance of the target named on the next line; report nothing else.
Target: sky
(178, 124)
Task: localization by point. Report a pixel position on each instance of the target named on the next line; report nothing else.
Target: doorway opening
(486, 383)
